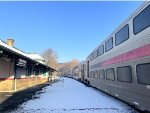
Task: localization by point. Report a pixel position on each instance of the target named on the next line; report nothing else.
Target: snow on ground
(70, 96)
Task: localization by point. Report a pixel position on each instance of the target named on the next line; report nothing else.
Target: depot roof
(14, 50)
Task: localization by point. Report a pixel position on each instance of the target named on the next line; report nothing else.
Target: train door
(87, 69)
(82, 73)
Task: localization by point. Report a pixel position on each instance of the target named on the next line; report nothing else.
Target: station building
(19, 70)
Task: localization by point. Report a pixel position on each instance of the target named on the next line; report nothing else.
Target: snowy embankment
(70, 96)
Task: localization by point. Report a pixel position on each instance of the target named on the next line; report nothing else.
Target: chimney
(10, 42)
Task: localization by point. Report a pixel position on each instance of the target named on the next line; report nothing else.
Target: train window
(91, 74)
(141, 21)
(122, 35)
(101, 50)
(84, 67)
(96, 74)
(28, 71)
(102, 74)
(92, 56)
(37, 72)
(110, 74)
(109, 44)
(143, 73)
(124, 74)
(95, 54)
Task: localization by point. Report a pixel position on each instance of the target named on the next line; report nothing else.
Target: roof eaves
(14, 52)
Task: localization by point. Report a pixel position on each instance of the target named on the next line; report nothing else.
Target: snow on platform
(70, 96)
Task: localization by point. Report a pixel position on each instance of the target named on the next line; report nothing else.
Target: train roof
(122, 24)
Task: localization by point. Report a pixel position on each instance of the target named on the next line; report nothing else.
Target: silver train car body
(120, 66)
(79, 72)
(75, 72)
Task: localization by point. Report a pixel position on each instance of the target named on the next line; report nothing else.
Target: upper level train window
(95, 54)
(142, 20)
(92, 56)
(101, 74)
(110, 74)
(124, 74)
(101, 50)
(109, 44)
(85, 67)
(143, 73)
(122, 35)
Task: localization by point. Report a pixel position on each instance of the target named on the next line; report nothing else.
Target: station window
(102, 74)
(37, 72)
(124, 74)
(141, 21)
(122, 35)
(33, 71)
(101, 50)
(109, 44)
(143, 73)
(44, 73)
(110, 74)
(28, 71)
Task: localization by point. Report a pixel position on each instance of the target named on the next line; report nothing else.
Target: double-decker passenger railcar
(120, 66)
(84, 69)
(80, 72)
(75, 72)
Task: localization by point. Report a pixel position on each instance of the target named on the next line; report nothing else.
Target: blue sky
(72, 29)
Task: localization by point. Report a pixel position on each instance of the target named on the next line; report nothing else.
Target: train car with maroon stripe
(120, 65)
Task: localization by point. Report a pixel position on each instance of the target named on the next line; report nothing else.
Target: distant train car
(83, 71)
(80, 72)
(75, 73)
(120, 66)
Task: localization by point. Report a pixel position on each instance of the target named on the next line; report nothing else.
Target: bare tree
(50, 57)
(66, 68)
(73, 63)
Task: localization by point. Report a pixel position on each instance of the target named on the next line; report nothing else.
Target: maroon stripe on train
(131, 55)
